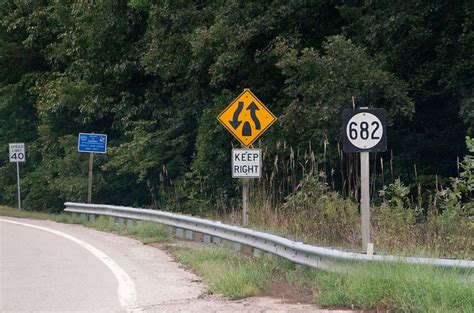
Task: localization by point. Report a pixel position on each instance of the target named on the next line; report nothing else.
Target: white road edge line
(126, 288)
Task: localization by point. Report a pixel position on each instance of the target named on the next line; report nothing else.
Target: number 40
(20, 156)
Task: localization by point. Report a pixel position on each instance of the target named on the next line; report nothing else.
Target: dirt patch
(284, 291)
(289, 293)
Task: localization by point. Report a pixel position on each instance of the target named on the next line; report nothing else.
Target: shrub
(321, 214)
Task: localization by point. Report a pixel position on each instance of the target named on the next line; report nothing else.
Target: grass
(12, 212)
(147, 232)
(394, 287)
(227, 272)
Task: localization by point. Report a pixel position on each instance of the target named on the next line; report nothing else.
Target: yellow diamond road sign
(246, 118)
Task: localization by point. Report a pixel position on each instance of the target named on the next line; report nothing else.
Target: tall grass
(376, 286)
(286, 200)
(397, 287)
(234, 275)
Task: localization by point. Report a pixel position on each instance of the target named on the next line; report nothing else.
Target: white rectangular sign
(17, 152)
(246, 163)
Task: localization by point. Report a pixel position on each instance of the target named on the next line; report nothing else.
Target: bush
(321, 214)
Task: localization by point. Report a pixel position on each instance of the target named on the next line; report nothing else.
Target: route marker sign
(364, 130)
(92, 143)
(247, 118)
(17, 152)
(246, 163)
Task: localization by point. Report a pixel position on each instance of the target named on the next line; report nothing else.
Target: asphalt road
(52, 267)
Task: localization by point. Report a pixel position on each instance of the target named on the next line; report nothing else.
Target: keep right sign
(246, 163)
(364, 130)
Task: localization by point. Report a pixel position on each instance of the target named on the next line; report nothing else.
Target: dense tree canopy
(153, 75)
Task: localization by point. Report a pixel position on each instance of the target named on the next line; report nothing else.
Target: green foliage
(445, 226)
(319, 214)
(460, 196)
(429, 46)
(396, 194)
(154, 75)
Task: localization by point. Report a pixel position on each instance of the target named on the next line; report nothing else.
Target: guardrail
(249, 240)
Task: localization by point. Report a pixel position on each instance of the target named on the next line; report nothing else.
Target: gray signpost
(91, 143)
(246, 164)
(364, 131)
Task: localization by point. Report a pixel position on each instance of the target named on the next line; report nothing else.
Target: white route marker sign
(365, 130)
(17, 152)
(246, 163)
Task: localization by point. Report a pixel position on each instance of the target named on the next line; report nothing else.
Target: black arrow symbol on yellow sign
(235, 119)
(253, 108)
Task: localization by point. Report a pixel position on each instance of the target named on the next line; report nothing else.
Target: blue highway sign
(92, 143)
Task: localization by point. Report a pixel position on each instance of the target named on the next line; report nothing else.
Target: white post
(245, 201)
(89, 187)
(18, 183)
(364, 199)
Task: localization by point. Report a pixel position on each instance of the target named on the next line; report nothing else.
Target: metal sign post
(89, 186)
(18, 184)
(245, 201)
(365, 198)
(364, 131)
(17, 154)
(91, 143)
(246, 118)
(246, 164)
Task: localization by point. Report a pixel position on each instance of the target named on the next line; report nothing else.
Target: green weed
(397, 287)
(234, 275)
(394, 287)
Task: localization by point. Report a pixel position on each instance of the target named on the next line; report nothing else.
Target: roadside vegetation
(26, 213)
(433, 223)
(392, 287)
